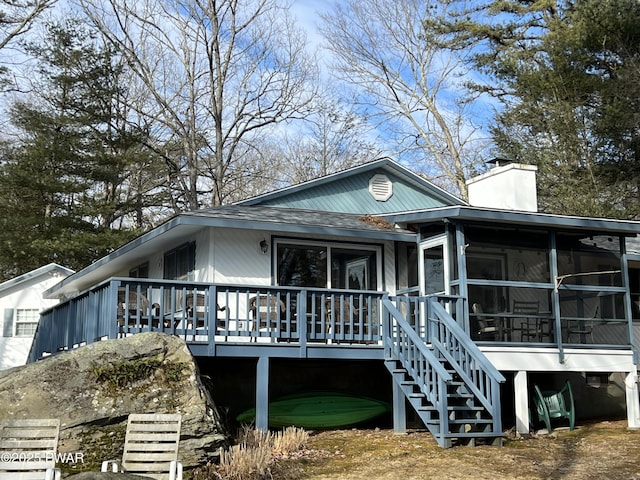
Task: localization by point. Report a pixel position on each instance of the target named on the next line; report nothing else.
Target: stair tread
(474, 435)
(471, 421)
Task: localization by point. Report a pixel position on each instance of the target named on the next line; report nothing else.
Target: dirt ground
(594, 451)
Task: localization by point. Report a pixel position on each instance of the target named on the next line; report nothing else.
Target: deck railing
(433, 339)
(434, 318)
(403, 344)
(208, 313)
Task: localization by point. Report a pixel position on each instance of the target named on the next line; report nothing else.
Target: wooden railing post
(211, 319)
(303, 328)
(113, 327)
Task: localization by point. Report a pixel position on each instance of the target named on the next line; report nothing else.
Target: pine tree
(566, 73)
(67, 185)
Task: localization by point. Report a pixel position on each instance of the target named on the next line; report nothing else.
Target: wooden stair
(466, 421)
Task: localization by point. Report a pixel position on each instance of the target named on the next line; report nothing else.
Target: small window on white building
(26, 322)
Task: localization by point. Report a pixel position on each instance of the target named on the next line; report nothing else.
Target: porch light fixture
(264, 246)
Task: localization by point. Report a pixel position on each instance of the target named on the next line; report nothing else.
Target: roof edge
(33, 274)
(385, 163)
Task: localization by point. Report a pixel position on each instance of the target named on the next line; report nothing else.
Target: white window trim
(18, 321)
(329, 245)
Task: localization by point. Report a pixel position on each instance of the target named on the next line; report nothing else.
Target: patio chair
(197, 312)
(150, 447)
(551, 405)
(266, 311)
(485, 328)
(339, 312)
(529, 327)
(582, 328)
(28, 449)
(133, 308)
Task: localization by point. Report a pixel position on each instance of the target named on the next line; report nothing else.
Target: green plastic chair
(551, 405)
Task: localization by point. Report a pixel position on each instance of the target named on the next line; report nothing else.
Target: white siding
(237, 258)
(24, 295)
(204, 258)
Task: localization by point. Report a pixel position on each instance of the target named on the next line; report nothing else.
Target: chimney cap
(498, 161)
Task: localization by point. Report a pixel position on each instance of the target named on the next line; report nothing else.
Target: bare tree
(17, 17)
(386, 51)
(217, 72)
(333, 138)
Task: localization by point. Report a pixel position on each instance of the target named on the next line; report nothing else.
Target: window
(141, 271)
(180, 262)
(26, 322)
(302, 265)
(353, 269)
(327, 266)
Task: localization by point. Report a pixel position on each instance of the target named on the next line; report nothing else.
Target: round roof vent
(380, 187)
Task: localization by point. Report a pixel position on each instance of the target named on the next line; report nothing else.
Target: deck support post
(262, 394)
(521, 390)
(633, 405)
(399, 410)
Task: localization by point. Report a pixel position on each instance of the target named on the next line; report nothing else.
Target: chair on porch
(150, 447)
(530, 327)
(485, 328)
(196, 309)
(582, 328)
(132, 307)
(551, 405)
(339, 312)
(268, 312)
(28, 449)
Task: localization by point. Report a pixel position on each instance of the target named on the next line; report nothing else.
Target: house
(21, 300)
(377, 280)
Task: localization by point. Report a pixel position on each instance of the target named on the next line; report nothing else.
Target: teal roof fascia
(347, 191)
(551, 221)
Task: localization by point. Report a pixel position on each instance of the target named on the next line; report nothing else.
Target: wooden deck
(226, 320)
(425, 342)
(254, 321)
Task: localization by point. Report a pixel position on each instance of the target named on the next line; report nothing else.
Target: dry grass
(254, 457)
(241, 462)
(593, 451)
(600, 450)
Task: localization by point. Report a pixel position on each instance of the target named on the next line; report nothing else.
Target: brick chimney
(506, 186)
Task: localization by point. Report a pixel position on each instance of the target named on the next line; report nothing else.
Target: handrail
(451, 341)
(209, 313)
(403, 344)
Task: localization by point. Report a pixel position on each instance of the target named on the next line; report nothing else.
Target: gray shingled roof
(279, 217)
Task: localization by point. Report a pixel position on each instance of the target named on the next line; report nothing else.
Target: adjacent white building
(21, 302)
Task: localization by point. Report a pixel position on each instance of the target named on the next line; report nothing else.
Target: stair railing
(402, 344)
(453, 344)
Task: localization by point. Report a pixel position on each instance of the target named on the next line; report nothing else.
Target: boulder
(93, 389)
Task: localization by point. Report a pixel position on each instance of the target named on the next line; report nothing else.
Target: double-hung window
(26, 322)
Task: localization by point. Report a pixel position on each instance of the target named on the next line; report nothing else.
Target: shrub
(253, 457)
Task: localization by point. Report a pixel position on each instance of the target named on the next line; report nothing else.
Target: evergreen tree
(567, 75)
(72, 176)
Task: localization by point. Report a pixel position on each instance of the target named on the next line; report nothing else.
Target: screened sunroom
(525, 282)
